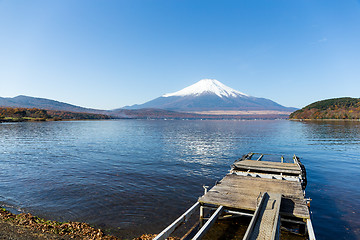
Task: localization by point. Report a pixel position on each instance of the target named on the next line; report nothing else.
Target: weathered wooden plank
(268, 169)
(254, 184)
(276, 206)
(241, 192)
(251, 226)
(289, 207)
(276, 167)
(265, 222)
(247, 189)
(267, 163)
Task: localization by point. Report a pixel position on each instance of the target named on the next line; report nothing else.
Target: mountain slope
(43, 103)
(209, 95)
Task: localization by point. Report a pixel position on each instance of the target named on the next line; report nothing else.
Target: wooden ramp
(265, 224)
(242, 192)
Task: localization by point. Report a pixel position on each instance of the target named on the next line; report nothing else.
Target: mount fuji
(211, 95)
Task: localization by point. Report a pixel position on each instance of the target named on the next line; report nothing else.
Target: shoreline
(150, 119)
(326, 120)
(38, 228)
(28, 226)
(51, 120)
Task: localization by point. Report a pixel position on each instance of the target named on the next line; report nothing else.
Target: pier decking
(270, 192)
(242, 192)
(270, 167)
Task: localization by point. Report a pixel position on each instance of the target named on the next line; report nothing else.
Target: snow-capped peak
(207, 86)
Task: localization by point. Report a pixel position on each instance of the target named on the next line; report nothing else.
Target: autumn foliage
(36, 114)
(336, 108)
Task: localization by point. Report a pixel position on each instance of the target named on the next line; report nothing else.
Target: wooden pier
(269, 192)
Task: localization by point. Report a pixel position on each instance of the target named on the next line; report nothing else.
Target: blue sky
(108, 54)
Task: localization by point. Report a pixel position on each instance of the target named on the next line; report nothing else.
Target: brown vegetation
(29, 225)
(337, 108)
(10, 114)
(74, 230)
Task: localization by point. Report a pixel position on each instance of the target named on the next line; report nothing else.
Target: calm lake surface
(136, 176)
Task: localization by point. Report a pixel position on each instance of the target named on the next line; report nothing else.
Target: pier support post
(201, 220)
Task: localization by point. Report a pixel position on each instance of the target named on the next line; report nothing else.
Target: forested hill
(335, 108)
(8, 114)
(22, 101)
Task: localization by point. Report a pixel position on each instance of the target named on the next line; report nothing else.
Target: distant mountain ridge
(206, 99)
(43, 103)
(210, 95)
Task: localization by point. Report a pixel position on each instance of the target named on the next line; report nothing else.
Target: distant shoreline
(150, 119)
(51, 120)
(326, 120)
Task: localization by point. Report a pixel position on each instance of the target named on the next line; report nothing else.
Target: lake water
(136, 176)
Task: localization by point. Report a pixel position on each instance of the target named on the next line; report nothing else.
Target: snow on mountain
(209, 86)
(210, 95)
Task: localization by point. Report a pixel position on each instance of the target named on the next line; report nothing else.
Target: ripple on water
(136, 176)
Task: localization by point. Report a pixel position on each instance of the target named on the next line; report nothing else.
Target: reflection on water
(135, 176)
